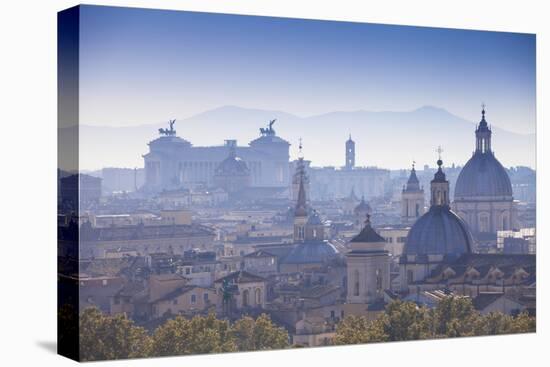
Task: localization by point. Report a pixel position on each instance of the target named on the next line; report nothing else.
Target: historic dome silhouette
(483, 176)
(439, 231)
(232, 165)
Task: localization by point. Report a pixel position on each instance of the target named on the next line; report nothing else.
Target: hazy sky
(140, 66)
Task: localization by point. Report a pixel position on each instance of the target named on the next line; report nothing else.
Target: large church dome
(483, 176)
(438, 232)
(232, 165)
(311, 252)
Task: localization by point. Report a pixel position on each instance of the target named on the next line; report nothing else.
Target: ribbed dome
(438, 232)
(232, 166)
(311, 252)
(483, 176)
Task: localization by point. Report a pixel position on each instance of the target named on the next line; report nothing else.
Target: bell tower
(440, 186)
(300, 214)
(412, 199)
(350, 153)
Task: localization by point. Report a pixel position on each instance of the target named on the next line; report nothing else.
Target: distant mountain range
(384, 139)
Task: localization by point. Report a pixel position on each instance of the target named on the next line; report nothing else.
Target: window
(175, 301)
(378, 280)
(504, 223)
(193, 298)
(484, 223)
(205, 297)
(410, 276)
(332, 314)
(245, 298)
(259, 297)
(356, 283)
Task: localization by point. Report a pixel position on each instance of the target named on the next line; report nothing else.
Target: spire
(413, 184)
(439, 175)
(483, 123)
(301, 208)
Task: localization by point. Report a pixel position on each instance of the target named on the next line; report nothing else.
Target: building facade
(368, 267)
(174, 163)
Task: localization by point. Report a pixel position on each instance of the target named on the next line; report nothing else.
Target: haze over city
(149, 66)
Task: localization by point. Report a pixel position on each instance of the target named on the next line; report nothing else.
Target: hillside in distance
(385, 139)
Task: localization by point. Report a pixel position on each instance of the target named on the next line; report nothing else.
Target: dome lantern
(440, 186)
(483, 134)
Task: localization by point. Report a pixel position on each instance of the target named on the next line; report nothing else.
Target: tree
(496, 323)
(359, 330)
(195, 336)
(406, 321)
(455, 316)
(110, 337)
(259, 334)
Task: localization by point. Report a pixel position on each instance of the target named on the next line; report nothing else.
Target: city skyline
(123, 146)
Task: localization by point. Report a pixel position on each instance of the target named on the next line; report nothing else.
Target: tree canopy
(115, 337)
(452, 317)
(110, 337)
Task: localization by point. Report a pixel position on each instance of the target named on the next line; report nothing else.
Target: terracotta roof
(178, 292)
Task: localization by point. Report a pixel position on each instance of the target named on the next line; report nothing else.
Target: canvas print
(234, 183)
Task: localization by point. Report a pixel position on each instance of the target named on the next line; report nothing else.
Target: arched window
(378, 280)
(484, 223)
(245, 298)
(504, 223)
(356, 283)
(258, 297)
